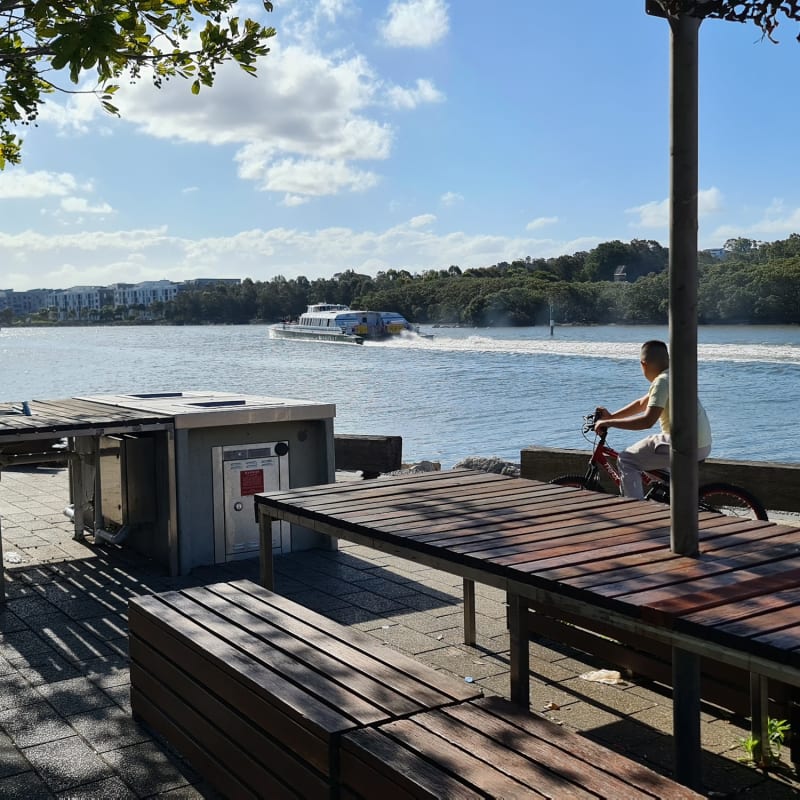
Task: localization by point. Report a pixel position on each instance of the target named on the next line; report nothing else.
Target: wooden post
(683, 282)
(266, 569)
(518, 650)
(686, 717)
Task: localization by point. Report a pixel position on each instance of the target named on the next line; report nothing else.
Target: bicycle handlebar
(589, 421)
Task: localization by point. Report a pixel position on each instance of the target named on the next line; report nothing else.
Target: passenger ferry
(337, 323)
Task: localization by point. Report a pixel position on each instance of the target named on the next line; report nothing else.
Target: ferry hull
(288, 331)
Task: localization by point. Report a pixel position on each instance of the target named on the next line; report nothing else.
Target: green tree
(45, 44)
(764, 13)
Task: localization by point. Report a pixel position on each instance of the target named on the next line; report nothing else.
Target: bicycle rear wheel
(578, 482)
(725, 498)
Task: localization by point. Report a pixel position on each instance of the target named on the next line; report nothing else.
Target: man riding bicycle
(652, 452)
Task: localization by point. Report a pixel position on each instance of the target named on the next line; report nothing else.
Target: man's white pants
(647, 454)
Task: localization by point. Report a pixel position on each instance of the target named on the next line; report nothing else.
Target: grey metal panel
(239, 472)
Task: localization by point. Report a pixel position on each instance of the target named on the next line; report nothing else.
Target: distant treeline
(747, 282)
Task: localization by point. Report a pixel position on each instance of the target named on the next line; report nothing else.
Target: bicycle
(722, 498)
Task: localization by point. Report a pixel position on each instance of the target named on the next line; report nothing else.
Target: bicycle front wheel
(725, 498)
(578, 482)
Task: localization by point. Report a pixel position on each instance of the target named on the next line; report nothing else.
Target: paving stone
(464, 662)
(121, 696)
(16, 692)
(71, 641)
(107, 789)
(148, 769)
(39, 724)
(23, 645)
(74, 696)
(107, 671)
(200, 791)
(409, 641)
(423, 601)
(318, 601)
(385, 587)
(12, 762)
(25, 786)
(429, 623)
(48, 668)
(609, 696)
(372, 602)
(108, 728)
(349, 615)
(10, 622)
(67, 763)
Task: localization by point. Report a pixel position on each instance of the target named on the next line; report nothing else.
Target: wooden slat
(491, 748)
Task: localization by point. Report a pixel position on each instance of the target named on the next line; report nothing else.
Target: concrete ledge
(372, 455)
(776, 485)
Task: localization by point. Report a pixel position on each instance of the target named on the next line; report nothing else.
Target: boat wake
(743, 353)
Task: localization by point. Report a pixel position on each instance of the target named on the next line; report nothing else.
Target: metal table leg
(469, 612)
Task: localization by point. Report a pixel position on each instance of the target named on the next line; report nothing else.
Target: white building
(145, 293)
(80, 301)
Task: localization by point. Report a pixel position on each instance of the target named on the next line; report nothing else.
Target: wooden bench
(489, 748)
(255, 690)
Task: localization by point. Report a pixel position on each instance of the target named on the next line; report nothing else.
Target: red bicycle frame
(602, 457)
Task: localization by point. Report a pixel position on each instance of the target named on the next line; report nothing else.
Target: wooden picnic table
(603, 557)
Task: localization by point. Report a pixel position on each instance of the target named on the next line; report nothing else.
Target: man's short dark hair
(655, 352)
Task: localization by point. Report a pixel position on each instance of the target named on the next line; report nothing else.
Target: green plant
(776, 734)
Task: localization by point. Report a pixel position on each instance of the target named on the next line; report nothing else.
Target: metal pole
(683, 282)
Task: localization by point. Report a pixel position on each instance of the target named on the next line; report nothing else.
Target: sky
(405, 134)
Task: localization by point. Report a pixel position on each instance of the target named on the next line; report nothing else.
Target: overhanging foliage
(763, 13)
(46, 44)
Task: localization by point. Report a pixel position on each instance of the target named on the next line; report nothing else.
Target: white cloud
(540, 222)
(16, 184)
(655, 214)
(775, 222)
(451, 198)
(424, 92)
(80, 205)
(416, 23)
(34, 260)
(315, 177)
(296, 129)
(422, 221)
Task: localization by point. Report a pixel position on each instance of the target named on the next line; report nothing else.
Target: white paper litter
(13, 558)
(603, 676)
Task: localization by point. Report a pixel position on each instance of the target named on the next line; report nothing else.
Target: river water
(465, 392)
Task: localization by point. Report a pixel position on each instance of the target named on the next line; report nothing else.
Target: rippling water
(466, 392)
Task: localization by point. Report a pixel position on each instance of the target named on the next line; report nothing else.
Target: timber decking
(490, 748)
(255, 690)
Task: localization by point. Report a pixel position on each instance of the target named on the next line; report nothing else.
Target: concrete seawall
(776, 485)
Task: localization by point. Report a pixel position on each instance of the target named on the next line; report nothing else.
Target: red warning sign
(251, 481)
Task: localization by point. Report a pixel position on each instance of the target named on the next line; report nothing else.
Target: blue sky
(407, 134)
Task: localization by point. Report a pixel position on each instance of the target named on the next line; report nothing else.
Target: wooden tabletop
(610, 553)
(72, 417)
